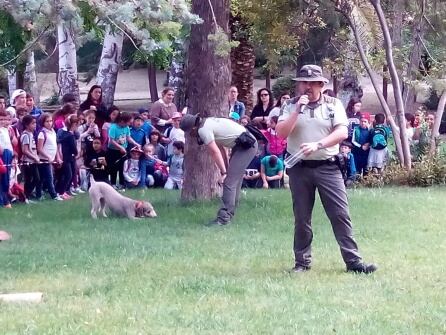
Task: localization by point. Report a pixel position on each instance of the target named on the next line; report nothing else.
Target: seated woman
(271, 171)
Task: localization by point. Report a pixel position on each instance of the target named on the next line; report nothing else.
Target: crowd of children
(56, 153)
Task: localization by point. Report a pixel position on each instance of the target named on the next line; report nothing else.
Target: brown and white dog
(104, 197)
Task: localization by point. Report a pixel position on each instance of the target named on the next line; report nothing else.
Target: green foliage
(277, 27)
(428, 172)
(284, 85)
(221, 43)
(13, 39)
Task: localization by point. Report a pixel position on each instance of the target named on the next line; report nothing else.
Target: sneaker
(218, 222)
(29, 202)
(66, 196)
(72, 191)
(58, 198)
(79, 190)
(41, 198)
(13, 199)
(300, 268)
(362, 268)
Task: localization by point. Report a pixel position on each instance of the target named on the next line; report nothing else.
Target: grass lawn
(173, 275)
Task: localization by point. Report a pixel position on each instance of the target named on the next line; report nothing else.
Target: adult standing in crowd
(235, 106)
(276, 110)
(94, 102)
(218, 134)
(162, 111)
(315, 124)
(353, 111)
(263, 107)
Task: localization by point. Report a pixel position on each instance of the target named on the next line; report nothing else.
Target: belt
(312, 164)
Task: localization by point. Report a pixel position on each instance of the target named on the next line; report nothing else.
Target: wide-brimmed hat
(189, 121)
(311, 73)
(16, 94)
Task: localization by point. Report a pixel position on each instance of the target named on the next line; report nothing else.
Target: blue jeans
(4, 178)
(46, 178)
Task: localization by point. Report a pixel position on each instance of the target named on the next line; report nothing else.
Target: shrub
(427, 172)
(284, 85)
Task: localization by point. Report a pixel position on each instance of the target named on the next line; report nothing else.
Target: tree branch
(26, 48)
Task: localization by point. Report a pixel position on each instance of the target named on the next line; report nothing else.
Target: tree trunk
(176, 78)
(385, 83)
(378, 92)
(153, 87)
(436, 128)
(409, 96)
(349, 86)
(109, 65)
(67, 76)
(395, 83)
(12, 81)
(30, 78)
(208, 82)
(242, 62)
(268, 79)
(335, 85)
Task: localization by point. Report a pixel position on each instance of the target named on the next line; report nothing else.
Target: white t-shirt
(5, 140)
(27, 138)
(176, 134)
(49, 143)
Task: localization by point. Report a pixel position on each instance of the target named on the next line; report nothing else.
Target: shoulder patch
(329, 100)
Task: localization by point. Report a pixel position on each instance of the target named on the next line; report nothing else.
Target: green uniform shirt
(223, 131)
(313, 125)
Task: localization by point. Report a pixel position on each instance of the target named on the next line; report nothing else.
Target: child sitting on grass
(349, 169)
(95, 161)
(176, 167)
(153, 170)
(271, 171)
(132, 172)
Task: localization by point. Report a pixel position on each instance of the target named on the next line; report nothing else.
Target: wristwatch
(320, 146)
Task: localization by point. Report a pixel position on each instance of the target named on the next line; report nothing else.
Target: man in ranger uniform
(314, 125)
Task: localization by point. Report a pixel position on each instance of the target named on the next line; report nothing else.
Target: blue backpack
(379, 137)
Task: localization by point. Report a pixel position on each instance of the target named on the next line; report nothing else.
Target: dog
(103, 197)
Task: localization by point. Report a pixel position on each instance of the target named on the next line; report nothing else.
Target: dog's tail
(92, 181)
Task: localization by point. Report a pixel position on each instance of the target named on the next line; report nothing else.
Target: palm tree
(242, 61)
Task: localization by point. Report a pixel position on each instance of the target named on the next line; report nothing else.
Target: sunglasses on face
(264, 95)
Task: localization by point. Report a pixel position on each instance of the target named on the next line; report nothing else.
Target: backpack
(379, 138)
(256, 133)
